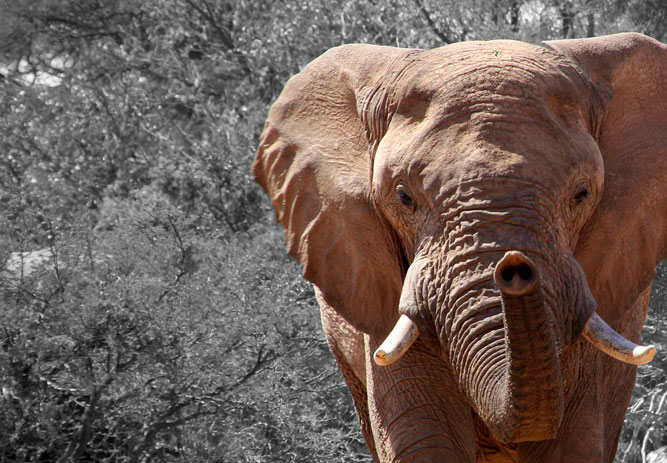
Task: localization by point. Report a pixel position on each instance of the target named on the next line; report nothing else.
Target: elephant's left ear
(626, 238)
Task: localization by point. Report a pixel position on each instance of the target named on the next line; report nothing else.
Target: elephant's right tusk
(404, 334)
(603, 336)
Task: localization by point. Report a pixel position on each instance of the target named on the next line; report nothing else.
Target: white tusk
(404, 334)
(603, 336)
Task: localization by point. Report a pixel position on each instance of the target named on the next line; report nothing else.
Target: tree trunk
(514, 16)
(590, 25)
(567, 15)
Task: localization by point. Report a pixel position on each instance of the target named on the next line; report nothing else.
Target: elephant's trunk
(521, 398)
(501, 313)
(507, 361)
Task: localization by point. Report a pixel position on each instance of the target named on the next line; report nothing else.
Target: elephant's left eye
(403, 195)
(581, 193)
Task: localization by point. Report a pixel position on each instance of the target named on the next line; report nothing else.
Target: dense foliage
(162, 320)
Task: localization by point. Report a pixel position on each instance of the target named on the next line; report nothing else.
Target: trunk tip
(515, 274)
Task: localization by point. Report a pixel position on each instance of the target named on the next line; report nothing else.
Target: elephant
(481, 223)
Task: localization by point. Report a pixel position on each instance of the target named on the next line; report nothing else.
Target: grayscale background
(148, 309)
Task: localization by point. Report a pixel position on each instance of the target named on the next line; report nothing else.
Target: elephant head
(495, 199)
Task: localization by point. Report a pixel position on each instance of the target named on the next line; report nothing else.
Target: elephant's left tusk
(603, 336)
(404, 334)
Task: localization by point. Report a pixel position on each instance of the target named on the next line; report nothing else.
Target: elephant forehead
(461, 78)
(437, 159)
(497, 108)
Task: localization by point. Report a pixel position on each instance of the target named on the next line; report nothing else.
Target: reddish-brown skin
(554, 157)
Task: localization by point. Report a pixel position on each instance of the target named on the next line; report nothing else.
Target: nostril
(522, 270)
(508, 273)
(525, 272)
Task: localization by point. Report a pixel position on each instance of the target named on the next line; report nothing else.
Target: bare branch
(436, 30)
(209, 15)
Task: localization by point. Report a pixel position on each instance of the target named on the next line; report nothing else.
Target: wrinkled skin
(431, 184)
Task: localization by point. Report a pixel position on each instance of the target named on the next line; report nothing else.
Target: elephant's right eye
(403, 195)
(581, 193)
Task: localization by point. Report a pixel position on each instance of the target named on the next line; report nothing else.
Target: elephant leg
(619, 378)
(416, 411)
(347, 346)
(594, 413)
(359, 396)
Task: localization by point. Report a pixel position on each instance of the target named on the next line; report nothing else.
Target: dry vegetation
(166, 322)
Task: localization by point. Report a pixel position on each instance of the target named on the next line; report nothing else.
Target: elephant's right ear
(313, 161)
